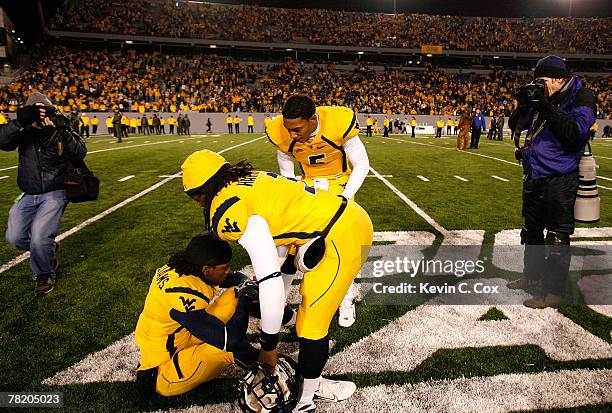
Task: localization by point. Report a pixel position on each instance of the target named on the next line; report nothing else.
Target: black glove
(539, 100)
(248, 289)
(27, 115)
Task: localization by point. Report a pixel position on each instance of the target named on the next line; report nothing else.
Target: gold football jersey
(323, 156)
(294, 211)
(158, 336)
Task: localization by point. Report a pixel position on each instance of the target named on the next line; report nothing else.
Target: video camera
(531, 92)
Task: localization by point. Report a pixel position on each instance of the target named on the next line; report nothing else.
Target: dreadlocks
(225, 176)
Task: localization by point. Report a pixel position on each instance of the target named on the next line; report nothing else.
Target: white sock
(309, 386)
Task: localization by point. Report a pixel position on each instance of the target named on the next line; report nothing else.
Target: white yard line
(411, 204)
(605, 178)
(4, 177)
(467, 152)
(604, 187)
(110, 210)
(126, 178)
(603, 157)
(422, 178)
(120, 148)
(500, 178)
(461, 178)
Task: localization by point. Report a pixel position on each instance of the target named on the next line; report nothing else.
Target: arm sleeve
(572, 129)
(74, 147)
(357, 155)
(285, 163)
(204, 326)
(10, 136)
(257, 241)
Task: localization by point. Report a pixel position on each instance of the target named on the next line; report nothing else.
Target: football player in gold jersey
(324, 140)
(185, 337)
(267, 214)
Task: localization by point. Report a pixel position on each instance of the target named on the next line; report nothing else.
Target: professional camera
(531, 92)
(30, 114)
(58, 118)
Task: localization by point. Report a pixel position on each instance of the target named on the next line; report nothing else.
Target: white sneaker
(347, 314)
(305, 408)
(334, 390)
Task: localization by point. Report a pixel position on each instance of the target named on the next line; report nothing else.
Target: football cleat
(334, 390)
(305, 408)
(291, 322)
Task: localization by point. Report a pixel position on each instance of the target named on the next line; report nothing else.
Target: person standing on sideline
(250, 123)
(94, 125)
(117, 125)
(478, 126)
(439, 127)
(208, 126)
(109, 124)
(230, 123)
(237, 121)
(171, 123)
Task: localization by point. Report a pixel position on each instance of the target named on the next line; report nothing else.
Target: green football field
(422, 184)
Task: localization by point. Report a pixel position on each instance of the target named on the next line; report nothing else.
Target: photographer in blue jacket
(557, 112)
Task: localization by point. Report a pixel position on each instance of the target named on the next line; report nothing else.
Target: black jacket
(44, 155)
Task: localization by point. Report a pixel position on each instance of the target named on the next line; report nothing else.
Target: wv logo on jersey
(188, 303)
(230, 227)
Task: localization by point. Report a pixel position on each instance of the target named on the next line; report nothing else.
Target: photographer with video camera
(557, 112)
(47, 145)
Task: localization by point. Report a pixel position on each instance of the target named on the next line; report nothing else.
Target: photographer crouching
(47, 144)
(557, 112)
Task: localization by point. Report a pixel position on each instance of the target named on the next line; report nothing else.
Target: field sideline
(418, 184)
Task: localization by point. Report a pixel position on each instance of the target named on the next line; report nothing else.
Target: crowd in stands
(89, 80)
(329, 27)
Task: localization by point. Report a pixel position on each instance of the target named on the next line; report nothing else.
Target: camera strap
(534, 131)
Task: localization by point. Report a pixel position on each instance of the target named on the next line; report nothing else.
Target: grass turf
(107, 266)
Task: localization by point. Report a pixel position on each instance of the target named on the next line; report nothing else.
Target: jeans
(33, 224)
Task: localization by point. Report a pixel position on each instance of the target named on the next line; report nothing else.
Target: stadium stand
(328, 27)
(92, 81)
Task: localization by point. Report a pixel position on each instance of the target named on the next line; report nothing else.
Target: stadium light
(429, 55)
(213, 46)
(409, 62)
(495, 57)
(359, 52)
(129, 42)
(289, 49)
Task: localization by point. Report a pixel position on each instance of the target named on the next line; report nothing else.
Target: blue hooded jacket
(558, 147)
